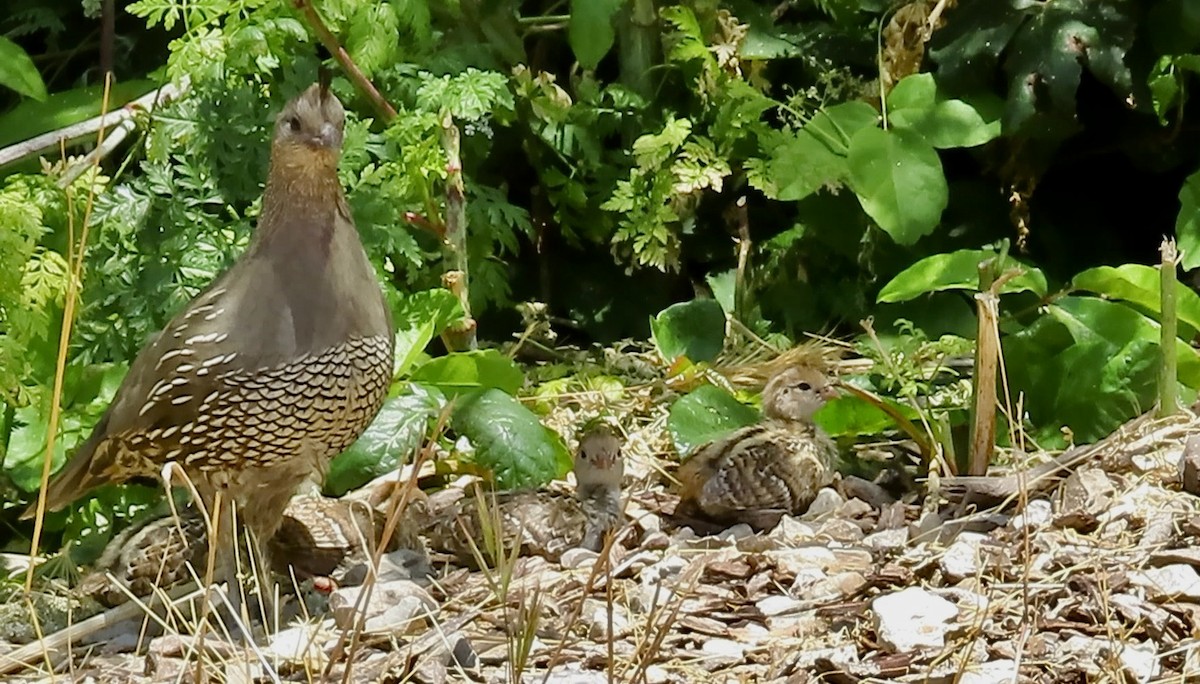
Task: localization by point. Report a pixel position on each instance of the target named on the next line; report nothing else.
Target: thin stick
(1168, 382)
(68, 135)
(64, 338)
(461, 334)
(356, 76)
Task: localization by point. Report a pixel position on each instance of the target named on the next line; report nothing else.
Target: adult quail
(319, 537)
(542, 523)
(273, 369)
(759, 472)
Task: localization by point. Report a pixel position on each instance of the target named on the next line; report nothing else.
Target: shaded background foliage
(606, 147)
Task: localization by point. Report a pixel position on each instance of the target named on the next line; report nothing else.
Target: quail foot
(270, 371)
(760, 472)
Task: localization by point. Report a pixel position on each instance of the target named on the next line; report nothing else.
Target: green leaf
(899, 182)
(1187, 226)
(694, 329)
(852, 416)
(421, 317)
(509, 440)
(396, 432)
(724, 288)
(18, 72)
(957, 271)
(916, 105)
(591, 31)
(706, 414)
(462, 372)
(1139, 284)
(1090, 364)
(815, 157)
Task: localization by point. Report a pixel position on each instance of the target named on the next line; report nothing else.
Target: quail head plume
(759, 472)
(273, 369)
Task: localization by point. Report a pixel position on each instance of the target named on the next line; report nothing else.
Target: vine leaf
(899, 182)
(706, 414)
(509, 440)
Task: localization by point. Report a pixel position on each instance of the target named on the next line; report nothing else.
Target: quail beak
(828, 392)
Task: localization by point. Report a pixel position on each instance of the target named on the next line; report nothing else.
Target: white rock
(961, 559)
(301, 645)
(806, 580)
(405, 617)
(595, 616)
(1139, 662)
(1037, 513)
(826, 503)
(790, 532)
(1170, 582)
(836, 586)
(839, 530)
(887, 540)
(658, 582)
(719, 653)
(578, 557)
(384, 596)
(736, 533)
(778, 605)
(912, 619)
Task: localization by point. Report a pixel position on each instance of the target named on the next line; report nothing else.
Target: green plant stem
(1168, 383)
(461, 334)
(361, 82)
(639, 39)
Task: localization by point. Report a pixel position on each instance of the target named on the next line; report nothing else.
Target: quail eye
(804, 387)
(294, 124)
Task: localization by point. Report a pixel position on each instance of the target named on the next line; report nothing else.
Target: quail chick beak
(328, 137)
(828, 392)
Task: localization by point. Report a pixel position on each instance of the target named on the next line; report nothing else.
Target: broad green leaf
(724, 288)
(899, 182)
(1139, 284)
(467, 371)
(509, 440)
(1187, 226)
(394, 434)
(18, 72)
(27, 445)
(694, 329)
(1090, 364)
(420, 317)
(706, 414)
(957, 271)
(815, 157)
(590, 31)
(915, 105)
(850, 415)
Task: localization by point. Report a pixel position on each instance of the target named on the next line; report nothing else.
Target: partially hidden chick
(318, 537)
(542, 523)
(760, 472)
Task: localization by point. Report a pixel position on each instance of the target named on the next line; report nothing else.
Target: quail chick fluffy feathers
(542, 523)
(759, 472)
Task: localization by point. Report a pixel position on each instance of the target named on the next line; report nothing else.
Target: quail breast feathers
(275, 367)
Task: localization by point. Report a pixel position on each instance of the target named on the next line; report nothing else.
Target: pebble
(912, 619)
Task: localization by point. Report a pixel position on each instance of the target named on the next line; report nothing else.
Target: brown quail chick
(153, 553)
(760, 472)
(274, 368)
(542, 523)
(319, 538)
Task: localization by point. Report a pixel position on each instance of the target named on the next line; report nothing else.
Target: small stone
(926, 527)
(301, 645)
(836, 586)
(961, 559)
(792, 532)
(912, 619)
(842, 531)
(887, 541)
(383, 597)
(721, 653)
(405, 617)
(1087, 489)
(778, 605)
(579, 557)
(595, 616)
(655, 540)
(826, 503)
(1170, 582)
(401, 564)
(1038, 513)
(456, 650)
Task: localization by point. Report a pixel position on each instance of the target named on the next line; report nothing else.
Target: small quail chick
(760, 472)
(542, 523)
(319, 537)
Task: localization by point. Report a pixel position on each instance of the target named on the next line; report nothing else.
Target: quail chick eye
(804, 387)
(294, 124)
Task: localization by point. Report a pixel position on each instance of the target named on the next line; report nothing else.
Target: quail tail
(75, 479)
